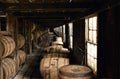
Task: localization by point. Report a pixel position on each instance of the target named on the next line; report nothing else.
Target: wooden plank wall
(108, 43)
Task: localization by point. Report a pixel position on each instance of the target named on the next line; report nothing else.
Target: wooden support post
(67, 36)
(30, 41)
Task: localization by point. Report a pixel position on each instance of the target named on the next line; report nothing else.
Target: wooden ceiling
(51, 13)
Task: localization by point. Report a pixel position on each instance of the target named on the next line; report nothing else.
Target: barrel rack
(14, 35)
(7, 56)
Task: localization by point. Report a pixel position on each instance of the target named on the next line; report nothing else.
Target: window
(71, 35)
(91, 41)
(58, 30)
(64, 34)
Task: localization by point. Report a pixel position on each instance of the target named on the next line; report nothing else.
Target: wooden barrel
(55, 55)
(20, 41)
(1, 72)
(14, 66)
(2, 48)
(5, 71)
(75, 72)
(9, 68)
(8, 65)
(37, 34)
(57, 49)
(7, 45)
(54, 48)
(51, 63)
(32, 36)
(21, 57)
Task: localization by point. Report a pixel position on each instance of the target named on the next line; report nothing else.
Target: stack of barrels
(20, 41)
(10, 63)
(8, 66)
(53, 60)
(21, 55)
(35, 33)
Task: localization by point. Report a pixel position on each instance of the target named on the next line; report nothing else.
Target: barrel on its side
(20, 41)
(1, 72)
(21, 57)
(33, 27)
(9, 68)
(75, 72)
(2, 48)
(7, 46)
(37, 34)
(32, 36)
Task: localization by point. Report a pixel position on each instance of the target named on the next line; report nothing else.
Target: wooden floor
(30, 70)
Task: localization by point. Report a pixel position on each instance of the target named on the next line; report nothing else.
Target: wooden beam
(23, 1)
(73, 6)
(50, 15)
(85, 4)
(45, 10)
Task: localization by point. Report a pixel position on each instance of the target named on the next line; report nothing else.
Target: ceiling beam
(45, 9)
(24, 1)
(57, 5)
(45, 24)
(47, 6)
(48, 14)
(47, 20)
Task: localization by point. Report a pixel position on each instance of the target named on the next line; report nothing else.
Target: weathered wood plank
(21, 72)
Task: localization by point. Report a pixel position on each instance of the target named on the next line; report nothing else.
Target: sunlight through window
(91, 42)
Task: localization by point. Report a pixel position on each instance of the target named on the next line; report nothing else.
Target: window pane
(94, 35)
(58, 30)
(70, 29)
(89, 60)
(92, 62)
(90, 23)
(71, 35)
(88, 48)
(90, 36)
(64, 35)
(91, 50)
(71, 42)
(94, 51)
(94, 23)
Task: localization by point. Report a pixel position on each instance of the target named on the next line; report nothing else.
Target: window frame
(87, 41)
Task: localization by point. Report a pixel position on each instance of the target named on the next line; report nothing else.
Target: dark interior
(17, 16)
